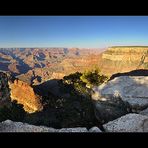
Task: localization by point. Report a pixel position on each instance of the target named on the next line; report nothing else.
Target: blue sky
(73, 31)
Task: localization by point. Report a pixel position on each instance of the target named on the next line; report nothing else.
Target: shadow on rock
(64, 107)
(110, 108)
(138, 72)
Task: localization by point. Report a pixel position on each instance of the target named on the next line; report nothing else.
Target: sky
(73, 31)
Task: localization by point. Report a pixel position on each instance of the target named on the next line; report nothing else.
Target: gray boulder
(109, 108)
(95, 130)
(131, 89)
(73, 130)
(10, 126)
(128, 123)
(144, 112)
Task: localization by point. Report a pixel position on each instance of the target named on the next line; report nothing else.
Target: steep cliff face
(24, 94)
(124, 58)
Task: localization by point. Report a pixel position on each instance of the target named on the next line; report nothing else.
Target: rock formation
(24, 94)
(124, 58)
(110, 108)
(128, 123)
(131, 89)
(10, 126)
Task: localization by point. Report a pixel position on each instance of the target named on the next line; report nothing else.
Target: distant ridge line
(128, 46)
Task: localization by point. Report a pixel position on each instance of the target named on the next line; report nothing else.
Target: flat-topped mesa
(124, 58)
(126, 53)
(24, 94)
(124, 49)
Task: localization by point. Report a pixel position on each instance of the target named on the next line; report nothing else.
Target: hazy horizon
(83, 47)
(72, 31)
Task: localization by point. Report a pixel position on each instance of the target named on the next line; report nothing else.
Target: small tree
(72, 78)
(93, 77)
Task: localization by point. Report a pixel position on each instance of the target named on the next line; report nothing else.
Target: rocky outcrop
(110, 108)
(10, 126)
(124, 58)
(4, 89)
(131, 89)
(128, 123)
(24, 94)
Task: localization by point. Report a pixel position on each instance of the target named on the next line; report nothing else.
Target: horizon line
(54, 47)
(83, 47)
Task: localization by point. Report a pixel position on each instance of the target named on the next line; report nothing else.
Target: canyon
(37, 65)
(32, 77)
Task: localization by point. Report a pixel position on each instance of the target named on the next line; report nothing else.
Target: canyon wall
(125, 58)
(74, 64)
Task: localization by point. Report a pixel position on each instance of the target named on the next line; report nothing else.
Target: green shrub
(93, 77)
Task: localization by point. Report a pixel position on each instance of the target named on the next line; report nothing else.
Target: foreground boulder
(110, 108)
(144, 112)
(128, 123)
(73, 130)
(131, 89)
(10, 126)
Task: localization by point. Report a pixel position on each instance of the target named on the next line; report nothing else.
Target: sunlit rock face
(24, 94)
(124, 58)
(131, 89)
